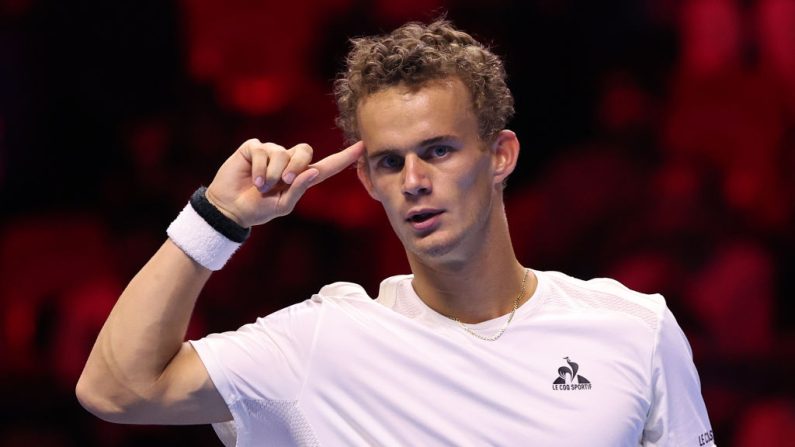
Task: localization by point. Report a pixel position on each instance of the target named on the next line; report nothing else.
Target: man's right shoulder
(341, 291)
(352, 292)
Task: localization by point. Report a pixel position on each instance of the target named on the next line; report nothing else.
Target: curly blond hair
(415, 54)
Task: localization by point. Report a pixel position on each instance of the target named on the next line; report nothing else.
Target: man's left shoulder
(608, 295)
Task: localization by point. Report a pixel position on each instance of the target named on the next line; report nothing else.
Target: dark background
(658, 146)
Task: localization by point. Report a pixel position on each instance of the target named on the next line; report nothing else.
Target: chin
(434, 247)
(434, 251)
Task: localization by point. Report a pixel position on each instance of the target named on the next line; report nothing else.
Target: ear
(363, 172)
(505, 154)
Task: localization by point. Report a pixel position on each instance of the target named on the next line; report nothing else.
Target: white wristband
(193, 235)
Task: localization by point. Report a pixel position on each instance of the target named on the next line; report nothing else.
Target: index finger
(336, 162)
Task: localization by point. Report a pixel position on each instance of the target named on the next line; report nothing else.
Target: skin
(141, 371)
(423, 152)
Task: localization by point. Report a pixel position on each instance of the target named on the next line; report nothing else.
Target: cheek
(478, 177)
(374, 194)
(476, 190)
(381, 192)
(469, 182)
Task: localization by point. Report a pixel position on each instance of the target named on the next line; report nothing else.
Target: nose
(415, 177)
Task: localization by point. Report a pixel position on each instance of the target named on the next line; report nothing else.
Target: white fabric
(193, 235)
(343, 369)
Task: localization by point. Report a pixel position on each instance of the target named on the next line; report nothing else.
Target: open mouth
(422, 217)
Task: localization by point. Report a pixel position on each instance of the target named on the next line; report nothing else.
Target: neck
(478, 286)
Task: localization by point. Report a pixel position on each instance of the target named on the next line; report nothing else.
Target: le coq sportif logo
(569, 378)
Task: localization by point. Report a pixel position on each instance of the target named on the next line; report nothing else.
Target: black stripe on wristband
(222, 224)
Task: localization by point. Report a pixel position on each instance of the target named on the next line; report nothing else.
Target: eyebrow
(423, 143)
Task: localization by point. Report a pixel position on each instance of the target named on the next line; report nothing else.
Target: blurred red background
(658, 148)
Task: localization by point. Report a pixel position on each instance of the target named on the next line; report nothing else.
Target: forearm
(144, 330)
(140, 370)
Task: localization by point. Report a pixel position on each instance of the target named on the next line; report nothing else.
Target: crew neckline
(405, 290)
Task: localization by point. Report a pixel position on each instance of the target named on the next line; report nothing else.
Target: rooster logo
(568, 373)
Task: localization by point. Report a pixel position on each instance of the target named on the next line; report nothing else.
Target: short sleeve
(261, 363)
(678, 416)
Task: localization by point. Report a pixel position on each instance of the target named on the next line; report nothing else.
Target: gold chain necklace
(510, 317)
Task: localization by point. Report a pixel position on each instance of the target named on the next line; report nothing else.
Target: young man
(471, 349)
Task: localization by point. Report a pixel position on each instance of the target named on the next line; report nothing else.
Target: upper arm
(182, 394)
(187, 393)
(678, 415)
(206, 376)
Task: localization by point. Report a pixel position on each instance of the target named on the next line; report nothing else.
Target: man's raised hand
(262, 181)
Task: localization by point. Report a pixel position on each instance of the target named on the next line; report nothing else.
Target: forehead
(402, 116)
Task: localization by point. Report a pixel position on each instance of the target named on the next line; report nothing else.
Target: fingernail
(259, 181)
(288, 178)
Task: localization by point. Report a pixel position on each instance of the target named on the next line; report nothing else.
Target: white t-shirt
(583, 363)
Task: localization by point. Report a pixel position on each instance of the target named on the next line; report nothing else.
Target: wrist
(206, 234)
(217, 218)
(208, 194)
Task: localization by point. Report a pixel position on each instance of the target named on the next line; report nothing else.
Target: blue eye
(391, 161)
(440, 151)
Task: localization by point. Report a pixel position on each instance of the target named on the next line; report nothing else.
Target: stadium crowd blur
(658, 148)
